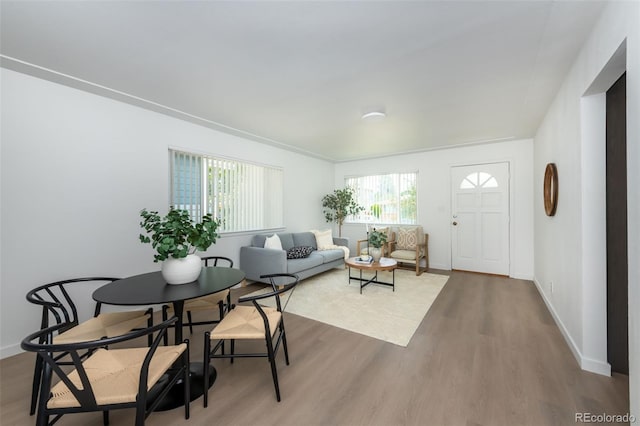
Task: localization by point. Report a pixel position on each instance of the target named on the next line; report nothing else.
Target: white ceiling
(301, 73)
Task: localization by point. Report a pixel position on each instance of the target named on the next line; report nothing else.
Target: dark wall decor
(550, 189)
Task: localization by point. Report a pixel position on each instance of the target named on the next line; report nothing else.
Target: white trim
(586, 364)
(10, 350)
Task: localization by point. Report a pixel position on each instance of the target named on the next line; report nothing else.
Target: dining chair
(108, 379)
(59, 308)
(220, 301)
(252, 323)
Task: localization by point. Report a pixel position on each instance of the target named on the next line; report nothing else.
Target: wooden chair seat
(245, 322)
(204, 303)
(115, 374)
(104, 325)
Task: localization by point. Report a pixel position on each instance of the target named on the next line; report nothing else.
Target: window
(389, 198)
(244, 196)
(479, 179)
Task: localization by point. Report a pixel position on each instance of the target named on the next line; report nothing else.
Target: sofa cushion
(273, 242)
(304, 239)
(258, 240)
(299, 252)
(297, 265)
(330, 255)
(287, 240)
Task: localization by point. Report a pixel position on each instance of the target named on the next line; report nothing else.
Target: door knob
(455, 223)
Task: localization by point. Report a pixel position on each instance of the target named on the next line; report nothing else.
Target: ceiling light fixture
(373, 115)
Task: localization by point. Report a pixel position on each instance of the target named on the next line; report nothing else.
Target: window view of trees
(243, 196)
(389, 198)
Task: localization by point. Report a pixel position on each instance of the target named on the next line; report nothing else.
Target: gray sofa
(255, 260)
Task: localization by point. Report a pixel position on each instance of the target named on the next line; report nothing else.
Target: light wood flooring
(487, 353)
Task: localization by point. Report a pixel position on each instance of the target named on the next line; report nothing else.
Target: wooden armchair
(362, 246)
(410, 248)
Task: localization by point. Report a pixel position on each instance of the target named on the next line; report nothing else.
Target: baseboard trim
(587, 364)
(10, 350)
(526, 277)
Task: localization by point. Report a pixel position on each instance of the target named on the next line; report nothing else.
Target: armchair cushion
(408, 255)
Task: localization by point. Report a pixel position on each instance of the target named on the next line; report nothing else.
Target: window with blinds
(243, 196)
(389, 198)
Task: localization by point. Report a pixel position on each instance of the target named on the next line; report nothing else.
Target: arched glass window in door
(478, 179)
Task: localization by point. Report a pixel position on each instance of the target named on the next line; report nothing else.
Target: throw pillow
(273, 242)
(323, 239)
(407, 238)
(299, 252)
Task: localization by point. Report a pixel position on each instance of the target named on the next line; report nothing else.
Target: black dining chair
(252, 323)
(59, 308)
(219, 302)
(108, 379)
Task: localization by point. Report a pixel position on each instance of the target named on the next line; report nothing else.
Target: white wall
(76, 170)
(566, 249)
(434, 195)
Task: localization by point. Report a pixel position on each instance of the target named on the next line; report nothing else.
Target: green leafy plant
(175, 235)
(339, 205)
(377, 239)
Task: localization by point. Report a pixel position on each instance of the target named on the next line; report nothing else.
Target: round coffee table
(385, 264)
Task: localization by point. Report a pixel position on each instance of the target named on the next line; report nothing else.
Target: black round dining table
(152, 289)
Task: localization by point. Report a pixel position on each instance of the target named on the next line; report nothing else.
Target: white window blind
(389, 198)
(244, 196)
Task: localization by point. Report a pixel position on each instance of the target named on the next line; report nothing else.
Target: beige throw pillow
(324, 239)
(407, 238)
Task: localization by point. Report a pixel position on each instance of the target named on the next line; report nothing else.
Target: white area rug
(378, 312)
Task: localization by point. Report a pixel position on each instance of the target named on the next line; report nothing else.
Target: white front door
(480, 218)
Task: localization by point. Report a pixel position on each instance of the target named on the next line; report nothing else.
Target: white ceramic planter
(181, 271)
(376, 253)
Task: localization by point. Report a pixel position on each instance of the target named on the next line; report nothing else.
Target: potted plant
(176, 238)
(376, 241)
(339, 205)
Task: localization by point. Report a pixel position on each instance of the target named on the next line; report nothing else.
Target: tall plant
(339, 205)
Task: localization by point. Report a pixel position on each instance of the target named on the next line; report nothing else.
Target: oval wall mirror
(550, 189)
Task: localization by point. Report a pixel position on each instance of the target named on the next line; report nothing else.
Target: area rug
(378, 312)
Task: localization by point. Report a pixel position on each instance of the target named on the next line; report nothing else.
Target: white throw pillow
(323, 239)
(273, 242)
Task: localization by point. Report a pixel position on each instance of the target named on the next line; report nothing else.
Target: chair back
(287, 282)
(41, 343)
(213, 261)
(57, 304)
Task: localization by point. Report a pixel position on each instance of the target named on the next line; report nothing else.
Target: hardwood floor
(487, 353)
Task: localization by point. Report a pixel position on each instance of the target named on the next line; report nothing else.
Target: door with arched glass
(480, 218)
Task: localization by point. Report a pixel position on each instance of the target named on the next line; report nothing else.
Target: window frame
(398, 175)
(204, 190)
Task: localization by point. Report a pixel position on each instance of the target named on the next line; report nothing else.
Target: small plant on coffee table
(377, 239)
